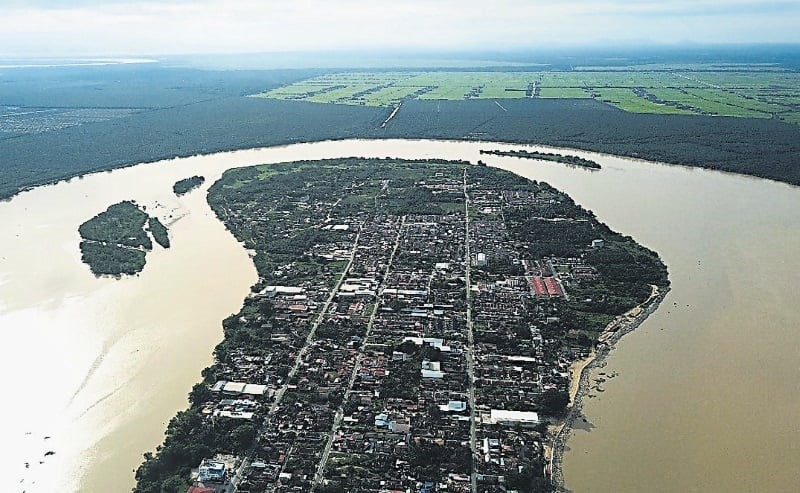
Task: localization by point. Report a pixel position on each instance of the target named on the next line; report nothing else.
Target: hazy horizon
(81, 28)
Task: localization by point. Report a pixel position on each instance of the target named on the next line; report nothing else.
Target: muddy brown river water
(708, 391)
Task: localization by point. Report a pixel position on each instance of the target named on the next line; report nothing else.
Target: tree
(266, 309)
(173, 484)
(200, 393)
(530, 480)
(553, 402)
(242, 436)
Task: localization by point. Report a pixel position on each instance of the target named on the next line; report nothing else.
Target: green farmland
(756, 91)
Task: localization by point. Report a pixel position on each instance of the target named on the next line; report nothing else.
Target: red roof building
(201, 489)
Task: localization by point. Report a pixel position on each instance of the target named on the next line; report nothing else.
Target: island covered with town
(416, 326)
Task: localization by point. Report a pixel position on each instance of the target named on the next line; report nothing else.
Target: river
(707, 392)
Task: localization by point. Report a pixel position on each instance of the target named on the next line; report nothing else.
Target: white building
(513, 418)
(432, 369)
(235, 388)
(211, 471)
(453, 407)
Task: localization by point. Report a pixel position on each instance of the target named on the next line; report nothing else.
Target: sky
(160, 27)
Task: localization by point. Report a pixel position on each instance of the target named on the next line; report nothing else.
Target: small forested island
(115, 242)
(159, 231)
(547, 156)
(187, 184)
(415, 323)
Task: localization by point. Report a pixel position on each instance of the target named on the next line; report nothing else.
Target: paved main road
(470, 340)
(237, 477)
(337, 421)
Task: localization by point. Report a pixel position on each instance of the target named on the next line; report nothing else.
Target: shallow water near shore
(707, 389)
(707, 384)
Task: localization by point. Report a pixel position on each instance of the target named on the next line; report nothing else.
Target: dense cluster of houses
(419, 368)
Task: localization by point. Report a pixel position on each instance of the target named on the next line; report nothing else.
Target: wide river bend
(708, 392)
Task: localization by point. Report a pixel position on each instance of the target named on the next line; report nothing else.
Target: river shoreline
(633, 157)
(582, 369)
(711, 313)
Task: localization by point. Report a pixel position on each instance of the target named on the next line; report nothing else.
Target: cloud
(697, 8)
(94, 27)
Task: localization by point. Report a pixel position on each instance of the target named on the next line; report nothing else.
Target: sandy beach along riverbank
(579, 384)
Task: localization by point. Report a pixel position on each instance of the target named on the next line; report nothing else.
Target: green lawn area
(451, 207)
(679, 96)
(728, 90)
(738, 100)
(562, 92)
(340, 94)
(791, 117)
(721, 103)
(626, 99)
(481, 85)
(389, 95)
(446, 92)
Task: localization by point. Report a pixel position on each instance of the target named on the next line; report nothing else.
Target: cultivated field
(754, 91)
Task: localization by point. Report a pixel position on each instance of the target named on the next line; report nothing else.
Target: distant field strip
(756, 91)
(18, 121)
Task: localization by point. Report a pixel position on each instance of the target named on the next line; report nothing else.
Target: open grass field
(563, 92)
(626, 99)
(740, 90)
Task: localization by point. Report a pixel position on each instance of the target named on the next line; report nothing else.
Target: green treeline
(547, 156)
(189, 439)
(159, 231)
(120, 224)
(753, 146)
(187, 184)
(115, 241)
(114, 260)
